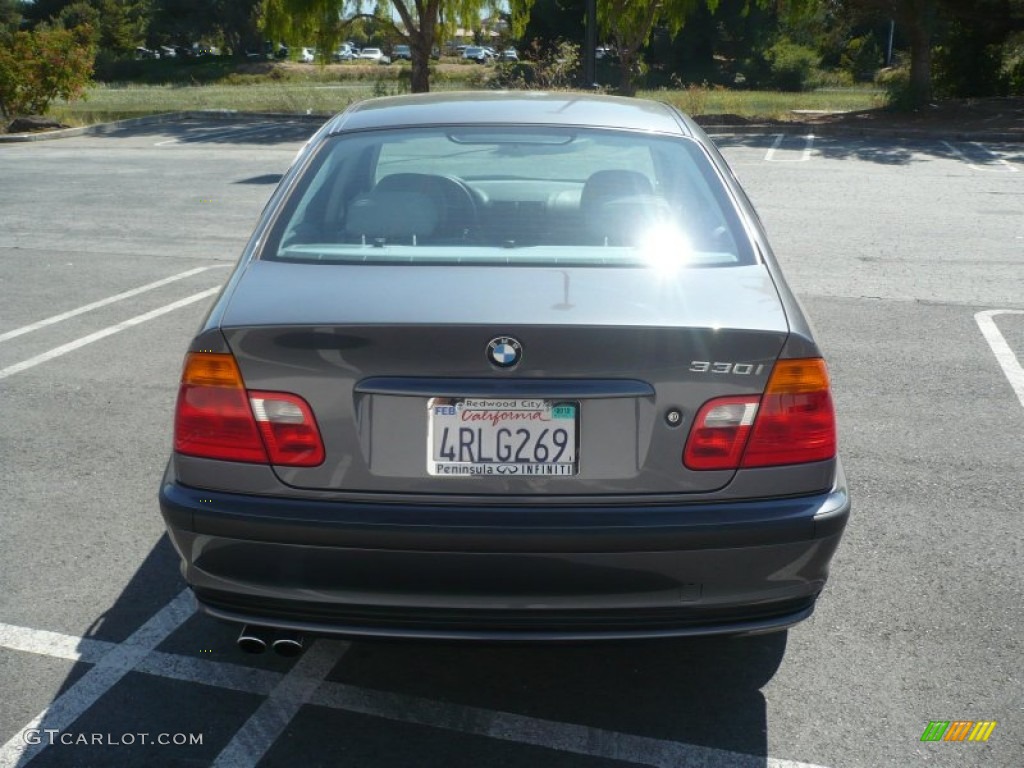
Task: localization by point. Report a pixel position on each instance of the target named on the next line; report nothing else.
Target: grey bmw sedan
(505, 366)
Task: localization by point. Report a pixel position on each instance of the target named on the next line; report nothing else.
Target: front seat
(619, 205)
(456, 203)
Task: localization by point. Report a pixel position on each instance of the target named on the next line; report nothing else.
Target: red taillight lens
(720, 432)
(288, 428)
(214, 418)
(796, 422)
(791, 423)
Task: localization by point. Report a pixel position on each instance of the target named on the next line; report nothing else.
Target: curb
(713, 130)
(862, 133)
(100, 129)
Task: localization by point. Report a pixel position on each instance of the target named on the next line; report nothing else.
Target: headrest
(392, 215)
(614, 183)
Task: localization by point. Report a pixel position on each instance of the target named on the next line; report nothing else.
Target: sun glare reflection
(665, 248)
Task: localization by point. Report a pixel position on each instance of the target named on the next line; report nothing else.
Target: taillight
(720, 432)
(216, 418)
(288, 428)
(793, 422)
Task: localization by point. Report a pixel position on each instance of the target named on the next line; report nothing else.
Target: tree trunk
(627, 78)
(419, 49)
(420, 34)
(917, 17)
(920, 64)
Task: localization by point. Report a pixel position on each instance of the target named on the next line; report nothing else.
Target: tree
(40, 66)
(232, 23)
(121, 22)
(629, 24)
(10, 17)
(323, 21)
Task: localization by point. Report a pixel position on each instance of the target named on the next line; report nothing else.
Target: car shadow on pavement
(151, 665)
(701, 693)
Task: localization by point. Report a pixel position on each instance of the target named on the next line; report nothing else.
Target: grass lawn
(301, 89)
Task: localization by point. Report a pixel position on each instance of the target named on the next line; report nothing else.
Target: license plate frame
(495, 445)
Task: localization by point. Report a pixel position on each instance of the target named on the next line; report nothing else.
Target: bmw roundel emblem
(504, 351)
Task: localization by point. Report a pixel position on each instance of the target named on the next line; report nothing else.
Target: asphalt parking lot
(909, 257)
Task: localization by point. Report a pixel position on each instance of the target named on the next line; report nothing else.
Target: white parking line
(71, 346)
(104, 302)
(54, 644)
(262, 729)
(1002, 167)
(306, 685)
(70, 705)
(566, 737)
(218, 134)
(805, 155)
(1004, 355)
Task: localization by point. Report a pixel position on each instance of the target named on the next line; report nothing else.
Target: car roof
(514, 107)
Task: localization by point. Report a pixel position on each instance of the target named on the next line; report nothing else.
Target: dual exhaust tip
(258, 639)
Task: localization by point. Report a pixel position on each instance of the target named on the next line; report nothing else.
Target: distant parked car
(307, 55)
(477, 53)
(344, 53)
(401, 52)
(509, 54)
(374, 54)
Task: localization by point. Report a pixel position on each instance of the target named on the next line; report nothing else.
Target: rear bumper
(505, 573)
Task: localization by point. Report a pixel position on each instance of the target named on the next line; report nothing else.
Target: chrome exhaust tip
(288, 644)
(252, 639)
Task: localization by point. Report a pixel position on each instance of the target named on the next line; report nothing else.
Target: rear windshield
(510, 196)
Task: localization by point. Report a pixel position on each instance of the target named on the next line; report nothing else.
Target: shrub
(861, 57)
(895, 81)
(790, 65)
(553, 69)
(967, 64)
(38, 67)
(1013, 66)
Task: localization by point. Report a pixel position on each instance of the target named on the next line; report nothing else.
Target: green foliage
(1013, 66)
(899, 95)
(40, 66)
(551, 69)
(790, 65)
(861, 57)
(630, 23)
(968, 64)
(10, 17)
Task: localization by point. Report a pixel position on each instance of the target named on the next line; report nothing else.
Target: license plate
(501, 437)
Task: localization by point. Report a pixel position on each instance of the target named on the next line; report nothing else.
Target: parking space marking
(521, 729)
(107, 672)
(307, 686)
(71, 346)
(805, 155)
(55, 644)
(1004, 355)
(1001, 167)
(105, 302)
(252, 741)
(218, 134)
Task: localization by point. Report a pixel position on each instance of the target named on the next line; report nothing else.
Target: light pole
(590, 47)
